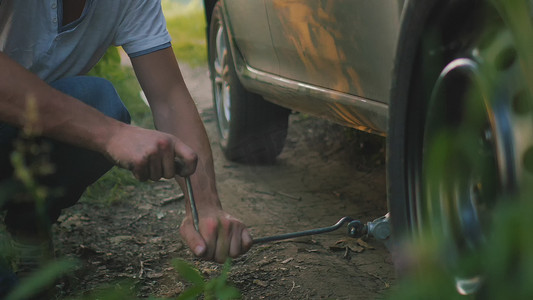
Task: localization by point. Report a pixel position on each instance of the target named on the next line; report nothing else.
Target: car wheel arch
(239, 61)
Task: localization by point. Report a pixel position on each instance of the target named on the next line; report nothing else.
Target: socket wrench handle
(190, 194)
(355, 229)
(192, 203)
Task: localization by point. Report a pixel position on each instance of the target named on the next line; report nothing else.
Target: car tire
(453, 152)
(251, 129)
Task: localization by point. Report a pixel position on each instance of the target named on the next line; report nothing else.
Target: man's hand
(151, 154)
(221, 236)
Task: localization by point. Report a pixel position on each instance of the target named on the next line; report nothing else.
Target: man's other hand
(221, 236)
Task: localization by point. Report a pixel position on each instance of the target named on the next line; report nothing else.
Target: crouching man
(45, 47)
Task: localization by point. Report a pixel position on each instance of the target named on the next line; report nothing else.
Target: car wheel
(465, 135)
(251, 129)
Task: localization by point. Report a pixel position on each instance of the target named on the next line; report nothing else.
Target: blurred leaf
(42, 278)
(228, 292)
(188, 272)
(211, 284)
(191, 293)
(8, 188)
(118, 291)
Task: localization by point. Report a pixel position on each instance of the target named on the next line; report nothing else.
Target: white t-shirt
(31, 33)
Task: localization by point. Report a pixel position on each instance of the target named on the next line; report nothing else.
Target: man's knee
(96, 92)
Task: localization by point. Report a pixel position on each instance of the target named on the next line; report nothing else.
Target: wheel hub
(462, 156)
(475, 141)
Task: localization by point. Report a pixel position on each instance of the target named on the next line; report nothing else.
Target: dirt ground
(324, 173)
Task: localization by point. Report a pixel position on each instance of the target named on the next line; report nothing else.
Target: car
(446, 82)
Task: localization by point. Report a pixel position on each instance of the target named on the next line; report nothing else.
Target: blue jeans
(75, 168)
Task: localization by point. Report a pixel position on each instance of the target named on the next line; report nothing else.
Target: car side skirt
(347, 110)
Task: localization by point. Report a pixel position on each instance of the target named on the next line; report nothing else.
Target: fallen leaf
(174, 248)
(260, 283)
(160, 215)
(73, 221)
(351, 244)
(287, 260)
(156, 240)
(356, 248)
(140, 240)
(208, 271)
(88, 250)
(154, 275)
(364, 244)
(266, 261)
(171, 199)
(145, 206)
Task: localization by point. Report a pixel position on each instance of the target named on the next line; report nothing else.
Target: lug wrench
(355, 229)
(379, 228)
(193, 204)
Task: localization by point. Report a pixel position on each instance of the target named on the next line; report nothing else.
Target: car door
(250, 30)
(342, 45)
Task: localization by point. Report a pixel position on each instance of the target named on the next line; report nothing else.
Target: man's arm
(175, 112)
(64, 118)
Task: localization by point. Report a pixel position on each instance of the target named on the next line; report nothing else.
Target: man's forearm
(59, 116)
(174, 112)
(186, 124)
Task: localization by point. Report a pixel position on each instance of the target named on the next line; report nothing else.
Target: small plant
(216, 288)
(42, 279)
(30, 160)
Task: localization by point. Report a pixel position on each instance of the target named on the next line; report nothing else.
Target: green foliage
(30, 160)
(504, 261)
(216, 288)
(112, 188)
(108, 66)
(187, 28)
(188, 272)
(42, 278)
(117, 291)
(126, 84)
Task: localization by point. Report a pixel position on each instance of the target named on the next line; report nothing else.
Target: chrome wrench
(192, 203)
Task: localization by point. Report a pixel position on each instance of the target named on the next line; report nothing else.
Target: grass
(187, 26)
